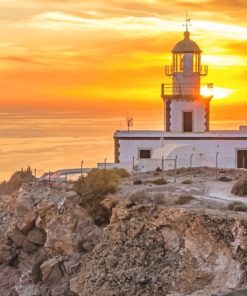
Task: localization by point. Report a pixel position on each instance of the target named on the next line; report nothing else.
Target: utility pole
(191, 166)
(175, 169)
(162, 168)
(82, 162)
(217, 154)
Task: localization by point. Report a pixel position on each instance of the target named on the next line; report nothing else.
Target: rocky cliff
(174, 239)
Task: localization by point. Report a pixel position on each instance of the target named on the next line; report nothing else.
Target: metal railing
(180, 89)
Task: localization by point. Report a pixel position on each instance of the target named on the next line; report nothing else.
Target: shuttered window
(145, 153)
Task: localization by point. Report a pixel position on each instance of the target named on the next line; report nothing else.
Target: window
(145, 153)
(187, 122)
(178, 61)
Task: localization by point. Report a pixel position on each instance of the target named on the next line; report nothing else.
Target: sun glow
(217, 92)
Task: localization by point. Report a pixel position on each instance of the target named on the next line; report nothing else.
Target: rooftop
(162, 134)
(186, 45)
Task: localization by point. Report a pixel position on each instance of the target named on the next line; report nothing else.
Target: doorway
(187, 121)
(242, 159)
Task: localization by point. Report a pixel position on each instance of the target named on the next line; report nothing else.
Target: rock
(171, 239)
(7, 254)
(168, 252)
(8, 278)
(72, 265)
(22, 207)
(60, 288)
(238, 293)
(51, 270)
(143, 280)
(73, 285)
(37, 236)
(29, 247)
(26, 223)
(72, 199)
(17, 237)
(70, 230)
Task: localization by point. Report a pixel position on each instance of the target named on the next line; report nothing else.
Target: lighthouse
(187, 133)
(186, 108)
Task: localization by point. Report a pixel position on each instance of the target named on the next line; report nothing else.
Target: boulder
(73, 264)
(22, 207)
(26, 223)
(37, 236)
(73, 285)
(8, 278)
(51, 270)
(16, 236)
(67, 232)
(29, 247)
(7, 254)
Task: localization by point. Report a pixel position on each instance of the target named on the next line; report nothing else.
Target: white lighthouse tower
(186, 135)
(186, 109)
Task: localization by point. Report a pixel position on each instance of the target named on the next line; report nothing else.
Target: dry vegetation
(237, 206)
(187, 182)
(184, 199)
(15, 182)
(240, 187)
(93, 188)
(159, 182)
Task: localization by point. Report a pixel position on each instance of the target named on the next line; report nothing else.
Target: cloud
(19, 59)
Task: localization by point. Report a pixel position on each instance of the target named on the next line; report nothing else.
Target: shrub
(137, 182)
(92, 190)
(142, 197)
(187, 182)
(159, 182)
(225, 179)
(240, 187)
(139, 197)
(184, 199)
(237, 206)
(16, 181)
(122, 173)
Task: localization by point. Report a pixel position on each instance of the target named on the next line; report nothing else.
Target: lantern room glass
(186, 62)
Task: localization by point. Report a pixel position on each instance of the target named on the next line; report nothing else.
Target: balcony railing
(204, 70)
(170, 71)
(186, 90)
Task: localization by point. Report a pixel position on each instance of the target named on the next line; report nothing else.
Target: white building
(186, 136)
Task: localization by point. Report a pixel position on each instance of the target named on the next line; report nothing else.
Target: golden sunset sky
(110, 55)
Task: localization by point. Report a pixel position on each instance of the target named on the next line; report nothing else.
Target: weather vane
(187, 22)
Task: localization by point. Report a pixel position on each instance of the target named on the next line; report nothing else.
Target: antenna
(130, 122)
(187, 22)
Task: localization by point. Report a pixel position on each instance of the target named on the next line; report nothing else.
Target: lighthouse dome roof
(186, 45)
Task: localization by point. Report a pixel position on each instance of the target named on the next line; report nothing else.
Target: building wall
(204, 151)
(199, 115)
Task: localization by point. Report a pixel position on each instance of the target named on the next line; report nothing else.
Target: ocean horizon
(49, 141)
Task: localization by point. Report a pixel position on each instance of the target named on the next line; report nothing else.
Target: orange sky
(109, 54)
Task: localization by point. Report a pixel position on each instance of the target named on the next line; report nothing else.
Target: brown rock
(73, 285)
(73, 264)
(7, 254)
(22, 208)
(71, 230)
(17, 237)
(37, 236)
(8, 278)
(29, 247)
(51, 270)
(26, 223)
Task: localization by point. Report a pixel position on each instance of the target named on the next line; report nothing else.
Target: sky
(109, 55)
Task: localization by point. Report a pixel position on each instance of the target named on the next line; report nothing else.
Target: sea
(53, 140)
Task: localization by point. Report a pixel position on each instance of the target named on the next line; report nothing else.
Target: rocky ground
(175, 239)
